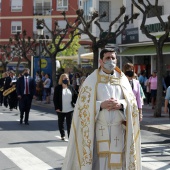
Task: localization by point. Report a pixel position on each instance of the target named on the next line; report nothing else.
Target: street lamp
(40, 33)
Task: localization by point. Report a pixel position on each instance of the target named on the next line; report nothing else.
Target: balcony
(46, 34)
(42, 10)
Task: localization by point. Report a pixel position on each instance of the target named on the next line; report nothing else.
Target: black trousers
(13, 100)
(169, 109)
(1, 97)
(61, 118)
(6, 101)
(24, 107)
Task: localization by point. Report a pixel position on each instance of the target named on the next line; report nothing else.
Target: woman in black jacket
(64, 100)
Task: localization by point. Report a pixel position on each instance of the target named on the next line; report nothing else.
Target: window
(16, 5)
(16, 26)
(151, 12)
(104, 6)
(0, 5)
(42, 7)
(62, 5)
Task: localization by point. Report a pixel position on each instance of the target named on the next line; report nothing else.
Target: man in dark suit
(26, 88)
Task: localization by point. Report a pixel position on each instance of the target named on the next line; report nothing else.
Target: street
(38, 146)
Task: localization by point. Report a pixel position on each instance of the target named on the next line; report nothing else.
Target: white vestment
(97, 139)
(109, 128)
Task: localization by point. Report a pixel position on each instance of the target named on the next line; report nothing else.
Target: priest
(105, 132)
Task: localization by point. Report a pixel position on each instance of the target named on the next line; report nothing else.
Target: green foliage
(72, 50)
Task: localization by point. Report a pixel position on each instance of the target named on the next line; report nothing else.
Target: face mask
(25, 74)
(109, 65)
(65, 81)
(129, 73)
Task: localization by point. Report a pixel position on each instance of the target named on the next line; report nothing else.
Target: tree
(72, 50)
(100, 41)
(24, 47)
(145, 8)
(58, 43)
(5, 55)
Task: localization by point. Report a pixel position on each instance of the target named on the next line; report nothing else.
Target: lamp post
(40, 32)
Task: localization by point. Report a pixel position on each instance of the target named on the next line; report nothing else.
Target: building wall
(28, 18)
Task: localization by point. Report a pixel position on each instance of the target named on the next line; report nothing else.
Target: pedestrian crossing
(160, 152)
(25, 160)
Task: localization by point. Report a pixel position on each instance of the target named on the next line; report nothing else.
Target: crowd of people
(17, 91)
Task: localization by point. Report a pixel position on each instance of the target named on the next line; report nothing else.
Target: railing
(42, 10)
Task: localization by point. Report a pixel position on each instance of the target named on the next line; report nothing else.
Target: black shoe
(20, 121)
(26, 123)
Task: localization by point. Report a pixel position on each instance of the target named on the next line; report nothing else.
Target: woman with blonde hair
(64, 100)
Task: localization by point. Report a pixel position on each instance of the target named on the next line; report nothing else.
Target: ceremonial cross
(102, 130)
(116, 140)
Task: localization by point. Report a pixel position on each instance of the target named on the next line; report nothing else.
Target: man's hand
(111, 104)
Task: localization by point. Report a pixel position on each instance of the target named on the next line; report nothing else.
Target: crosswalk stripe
(24, 159)
(61, 150)
(154, 164)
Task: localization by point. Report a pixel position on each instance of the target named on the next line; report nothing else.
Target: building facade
(19, 15)
(133, 45)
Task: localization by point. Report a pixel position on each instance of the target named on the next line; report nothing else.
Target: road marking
(61, 150)
(24, 159)
(154, 164)
(60, 138)
(1, 113)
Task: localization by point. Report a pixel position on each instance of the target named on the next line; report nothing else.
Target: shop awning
(67, 58)
(144, 50)
(88, 56)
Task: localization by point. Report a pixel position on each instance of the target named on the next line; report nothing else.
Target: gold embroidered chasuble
(79, 154)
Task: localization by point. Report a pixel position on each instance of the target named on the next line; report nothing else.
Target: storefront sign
(130, 36)
(155, 27)
(110, 41)
(46, 65)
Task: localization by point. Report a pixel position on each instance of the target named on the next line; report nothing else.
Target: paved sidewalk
(150, 123)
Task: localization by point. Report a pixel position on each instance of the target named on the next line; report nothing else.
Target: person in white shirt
(64, 100)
